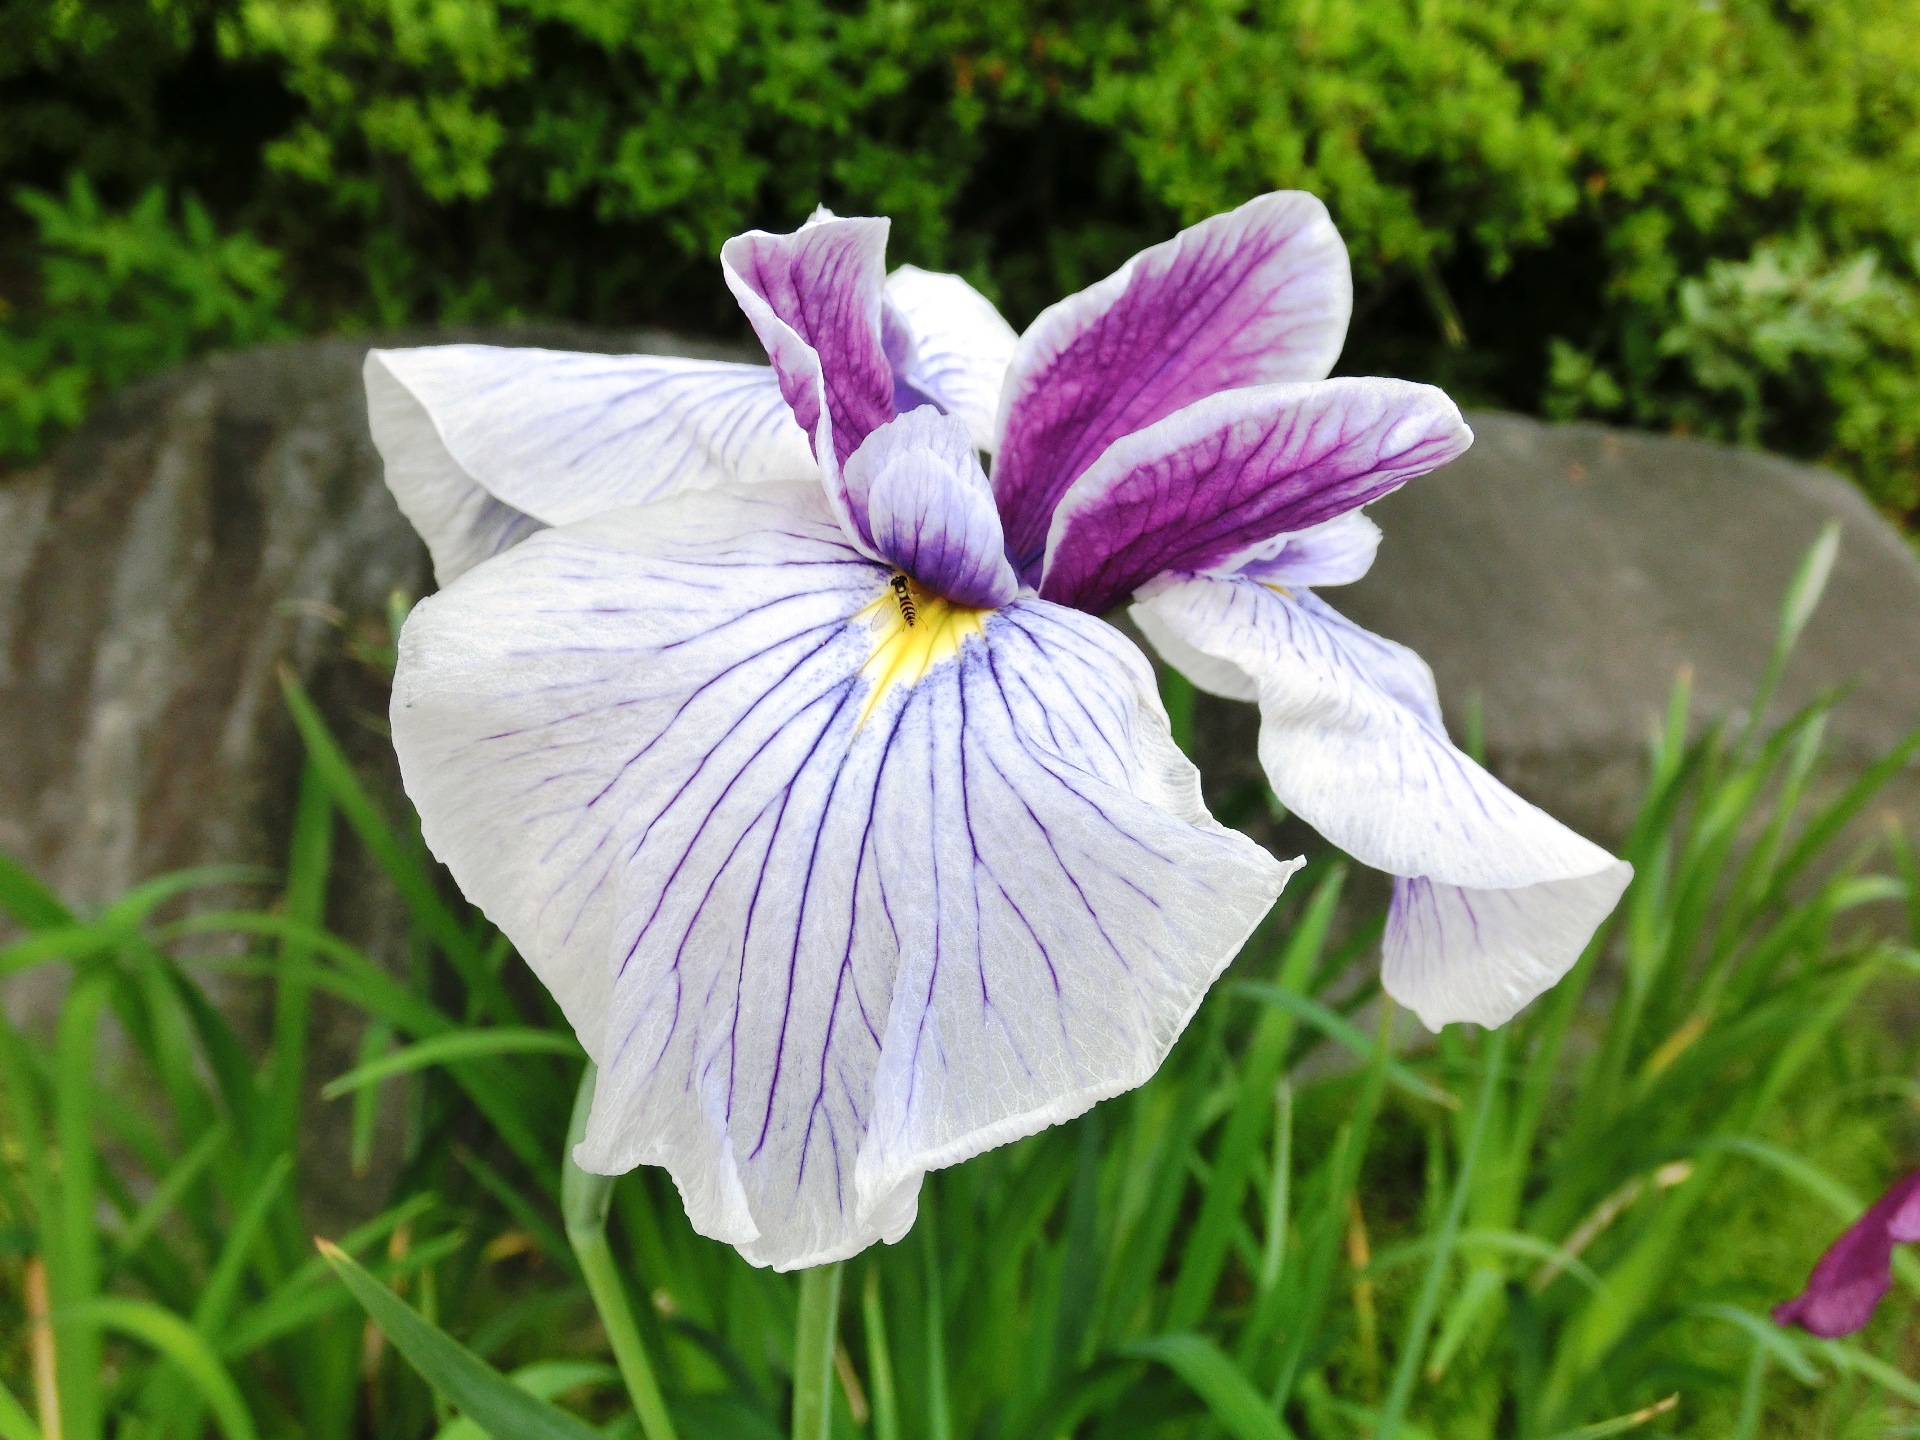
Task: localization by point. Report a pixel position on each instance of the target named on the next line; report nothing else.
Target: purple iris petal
(930, 508)
(1228, 471)
(813, 298)
(1258, 295)
(1850, 1279)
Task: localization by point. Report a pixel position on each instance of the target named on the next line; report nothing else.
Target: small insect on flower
(904, 595)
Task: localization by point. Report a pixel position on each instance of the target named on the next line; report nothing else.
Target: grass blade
(1241, 1410)
(415, 885)
(169, 1192)
(1413, 1346)
(1804, 590)
(223, 1284)
(28, 901)
(486, 1396)
(73, 1262)
(1206, 1250)
(1321, 1253)
(1273, 1256)
(15, 1422)
(1846, 1357)
(309, 863)
(886, 1404)
(584, 1201)
(186, 1347)
(446, 1049)
(543, 1379)
(1338, 1028)
(1620, 1423)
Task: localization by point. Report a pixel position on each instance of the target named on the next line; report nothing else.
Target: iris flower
(790, 751)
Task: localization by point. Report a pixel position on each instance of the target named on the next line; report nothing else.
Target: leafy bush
(121, 295)
(1543, 1232)
(1532, 189)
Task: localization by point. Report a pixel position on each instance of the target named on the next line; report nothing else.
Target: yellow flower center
(913, 631)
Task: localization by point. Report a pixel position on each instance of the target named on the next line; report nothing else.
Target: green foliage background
(1700, 216)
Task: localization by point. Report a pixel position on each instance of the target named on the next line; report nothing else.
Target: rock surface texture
(202, 528)
(210, 524)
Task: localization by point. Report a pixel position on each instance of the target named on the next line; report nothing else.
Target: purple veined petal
(829, 905)
(1338, 552)
(931, 509)
(954, 346)
(1454, 953)
(485, 445)
(814, 299)
(1073, 900)
(1258, 295)
(1207, 483)
(1850, 1280)
(1503, 898)
(896, 338)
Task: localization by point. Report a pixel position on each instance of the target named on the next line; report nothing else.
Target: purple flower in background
(846, 854)
(1857, 1270)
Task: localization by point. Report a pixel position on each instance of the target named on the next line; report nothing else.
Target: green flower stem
(886, 1405)
(584, 1200)
(815, 1332)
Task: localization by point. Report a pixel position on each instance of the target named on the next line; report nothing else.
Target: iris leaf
(486, 1396)
(1230, 1397)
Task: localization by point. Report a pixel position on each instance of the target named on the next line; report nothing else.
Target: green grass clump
(1300, 1227)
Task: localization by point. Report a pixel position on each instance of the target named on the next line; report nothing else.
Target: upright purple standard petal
(1849, 1280)
(1255, 296)
(814, 299)
(832, 899)
(1206, 483)
(930, 509)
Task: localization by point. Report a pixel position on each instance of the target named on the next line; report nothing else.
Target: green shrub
(1541, 196)
(120, 295)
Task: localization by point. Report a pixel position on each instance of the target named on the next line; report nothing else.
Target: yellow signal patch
(913, 631)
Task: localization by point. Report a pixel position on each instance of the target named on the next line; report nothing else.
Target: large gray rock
(201, 528)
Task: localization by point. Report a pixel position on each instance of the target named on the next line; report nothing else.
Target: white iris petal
(1352, 741)
(960, 345)
(831, 901)
(484, 445)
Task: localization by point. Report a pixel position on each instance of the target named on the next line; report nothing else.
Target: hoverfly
(905, 597)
